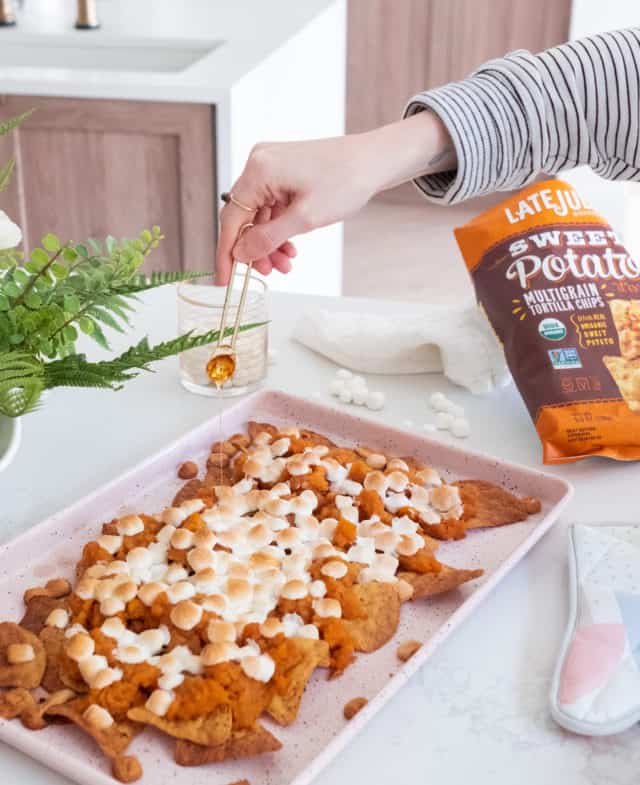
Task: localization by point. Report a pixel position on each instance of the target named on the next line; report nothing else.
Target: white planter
(10, 435)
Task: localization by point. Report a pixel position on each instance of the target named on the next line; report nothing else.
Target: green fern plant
(63, 290)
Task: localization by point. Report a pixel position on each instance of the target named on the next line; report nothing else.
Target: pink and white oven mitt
(596, 686)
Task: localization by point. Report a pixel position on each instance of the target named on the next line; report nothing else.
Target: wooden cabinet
(87, 168)
(398, 47)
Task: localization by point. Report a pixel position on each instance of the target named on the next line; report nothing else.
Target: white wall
(618, 202)
(297, 93)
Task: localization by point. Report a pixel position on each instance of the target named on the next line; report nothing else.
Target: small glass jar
(200, 304)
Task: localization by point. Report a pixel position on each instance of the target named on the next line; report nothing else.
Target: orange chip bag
(563, 297)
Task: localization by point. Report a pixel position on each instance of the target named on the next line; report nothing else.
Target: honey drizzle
(221, 368)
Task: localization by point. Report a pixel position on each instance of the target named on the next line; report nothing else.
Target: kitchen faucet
(86, 17)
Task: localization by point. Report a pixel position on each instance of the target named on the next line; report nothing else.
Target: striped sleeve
(524, 114)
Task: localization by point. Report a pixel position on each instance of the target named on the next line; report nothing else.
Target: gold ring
(229, 198)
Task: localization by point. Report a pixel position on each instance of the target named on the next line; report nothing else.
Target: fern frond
(14, 122)
(76, 371)
(142, 283)
(21, 383)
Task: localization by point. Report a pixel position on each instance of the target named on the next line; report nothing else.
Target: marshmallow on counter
(353, 389)
(449, 416)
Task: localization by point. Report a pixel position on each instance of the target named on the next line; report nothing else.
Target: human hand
(295, 187)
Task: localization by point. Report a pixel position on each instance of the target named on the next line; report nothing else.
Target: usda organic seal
(552, 329)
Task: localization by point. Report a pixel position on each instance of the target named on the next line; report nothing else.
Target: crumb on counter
(406, 650)
(352, 707)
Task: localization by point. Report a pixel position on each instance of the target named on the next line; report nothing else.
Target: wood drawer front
(87, 168)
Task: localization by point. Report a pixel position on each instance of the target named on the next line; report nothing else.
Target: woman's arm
(523, 114)
(299, 186)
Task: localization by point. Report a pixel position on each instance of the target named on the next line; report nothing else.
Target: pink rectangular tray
(52, 548)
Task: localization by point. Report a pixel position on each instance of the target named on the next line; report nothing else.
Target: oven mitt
(596, 686)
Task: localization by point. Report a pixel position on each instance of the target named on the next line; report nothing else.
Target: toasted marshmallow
(19, 653)
(334, 569)
(350, 488)
(408, 544)
(154, 639)
(397, 481)
(149, 591)
(186, 615)
(363, 552)
(98, 717)
(205, 539)
(114, 628)
(325, 550)
(111, 606)
(214, 603)
(169, 681)
(271, 627)
(328, 528)
(428, 477)
(130, 525)
(174, 573)
(131, 654)
(376, 460)
(214, 653)
(383, 568)
(258, 536)
(221, 631)
(125, 591)
(376, 481)
(182, 590)
(85, 588)
(159, 702)
(58, 617)
(405, 590)
(444, 497)
(182, 539)
(201, 558)
(192, 505)
(288, 538)
(261, 668)
(317, 589)
(387, 540)
(139, 559)
(298, 465)
(110, 543)
(280, 447)
(294, 590)
(205, 581)
(104, 678)
(174, 516)
(397, 464)
(327, 607)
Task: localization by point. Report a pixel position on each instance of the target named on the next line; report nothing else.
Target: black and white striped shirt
(524, 114)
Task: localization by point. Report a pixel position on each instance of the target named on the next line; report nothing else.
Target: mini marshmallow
(110, 542)
(261, 667)
(460, 428)
(439, 402)
(429, 427)
(443, 421)
(58, 617)
(317, 589)
(221, 631)
(159, 702)
(327, 607)
(334, 569)
(456, 411)
(360, 395)
(98, 717)
(375, 400)
(336, 387)
(130, 525)
(376, 460)
(186, 615)
(345, 395)
(343, 373)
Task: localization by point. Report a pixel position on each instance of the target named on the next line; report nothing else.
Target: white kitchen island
(272, 71)
(478, 711)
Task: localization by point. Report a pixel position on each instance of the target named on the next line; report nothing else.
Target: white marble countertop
(241, 34)
(477, 712)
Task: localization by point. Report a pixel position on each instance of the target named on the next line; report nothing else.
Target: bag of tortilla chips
(563, 296)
